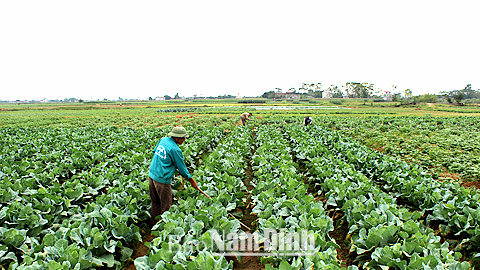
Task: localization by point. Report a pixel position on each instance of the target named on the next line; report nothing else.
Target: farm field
(446, 147)
(376, 188)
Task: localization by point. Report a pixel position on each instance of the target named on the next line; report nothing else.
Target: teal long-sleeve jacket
(167, 157)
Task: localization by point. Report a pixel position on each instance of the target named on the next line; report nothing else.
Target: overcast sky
(95, 49)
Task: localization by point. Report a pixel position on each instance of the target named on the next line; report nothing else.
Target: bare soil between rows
(249, 219)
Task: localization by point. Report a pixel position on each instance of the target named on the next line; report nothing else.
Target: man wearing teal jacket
(166, 158)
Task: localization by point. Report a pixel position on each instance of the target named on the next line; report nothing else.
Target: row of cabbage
(283, 205)
(71, 197)
(99, 118)
(184, 233)
(455, 208)
(53, 177)
(438, 144)
(382, 234)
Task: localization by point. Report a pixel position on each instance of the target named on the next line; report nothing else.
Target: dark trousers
(161, 197)
(243, 121)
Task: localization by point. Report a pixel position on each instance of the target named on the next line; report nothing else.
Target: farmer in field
(167, 157)
(244, 117)
(307, 121)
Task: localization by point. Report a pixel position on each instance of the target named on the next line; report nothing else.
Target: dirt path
(141, 249)
(249, 219)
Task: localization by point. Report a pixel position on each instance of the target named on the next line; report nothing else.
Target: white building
(327, 93)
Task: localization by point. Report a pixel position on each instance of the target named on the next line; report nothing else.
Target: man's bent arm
(180, 164)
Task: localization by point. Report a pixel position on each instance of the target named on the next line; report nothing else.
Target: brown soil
(321, 198)
(378, 149)
(471, 184)
(249, 219)
(445, 173)
(340, 236)
(140, 251)
(247, 263)
(456, 176)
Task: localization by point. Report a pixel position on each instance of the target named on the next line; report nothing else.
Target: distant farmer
(244, 117)
(307, 121)
(167, 157)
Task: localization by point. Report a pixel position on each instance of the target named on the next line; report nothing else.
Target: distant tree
(396, 97)
(80, 100)
(278, 90)
(336, 92)
(407, 94)
(316, 90)
(359, 90)
(167, 97)
(269, 94)
(176, 96)
(458, 96)
(225, 96)
(304, 89)
(150, 98)
(427, 98)
(469, 92)
(396, 94)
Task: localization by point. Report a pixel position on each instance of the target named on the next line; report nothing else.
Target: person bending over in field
(244, 117)
(166, 158)
(307, 121)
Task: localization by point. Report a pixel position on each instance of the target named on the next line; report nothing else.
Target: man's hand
(193, 183)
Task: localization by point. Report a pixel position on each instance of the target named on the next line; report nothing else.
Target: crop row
(381, 233)
(438, 144)
(282, 204)
(456, 209)
(71, 197)
(184, 239)
(100, 118)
